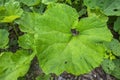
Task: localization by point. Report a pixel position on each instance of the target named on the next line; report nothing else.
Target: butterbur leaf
(28, 22)
(77, 53)
(109, 7)
(11, 12)
(65, 44)
(26, 41)
(97, 13)
(9, 18)
(15, 65)
(3, 38)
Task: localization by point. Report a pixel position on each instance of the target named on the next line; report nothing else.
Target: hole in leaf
(66, 62)
(74, 32)
(115, 9)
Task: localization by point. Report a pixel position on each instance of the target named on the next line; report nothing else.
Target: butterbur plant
(63, 43)
(60, 38)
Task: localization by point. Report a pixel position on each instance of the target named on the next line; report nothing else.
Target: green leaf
(49, 1)
(108, 66)
(112, 67)
(3, 38)
(98, 13)
(30, 2)
(109, 7)
(11, 11)
(15, 65)
(116, 71)
(26, 41)
(28, 22)
(114, 46)
(117, 25)
(65, 44)
(91, 3)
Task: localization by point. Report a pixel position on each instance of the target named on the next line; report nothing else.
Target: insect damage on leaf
(74, 32)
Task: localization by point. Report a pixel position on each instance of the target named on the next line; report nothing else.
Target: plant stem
(15, 30)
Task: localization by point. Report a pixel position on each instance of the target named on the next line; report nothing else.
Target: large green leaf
(3, 38)
(109, 7)
(11, 11)
(64, 43)
(15, 65)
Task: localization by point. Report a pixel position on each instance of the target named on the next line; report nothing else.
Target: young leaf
(3, 38)
(114, 46)
(66, 44)
(15, 65)
(11, 11)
